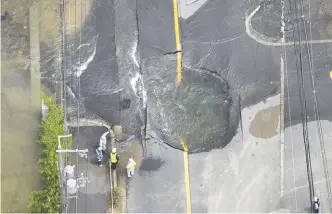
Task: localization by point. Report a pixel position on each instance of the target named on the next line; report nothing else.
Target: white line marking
(304, 186)
(282, 135)
(282, 105)
(268, 41)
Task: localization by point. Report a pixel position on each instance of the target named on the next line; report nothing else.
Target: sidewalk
(93, 195)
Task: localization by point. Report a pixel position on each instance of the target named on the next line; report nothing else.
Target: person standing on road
(114, 159)
(131, 168)
(316, 205)
(99, 152)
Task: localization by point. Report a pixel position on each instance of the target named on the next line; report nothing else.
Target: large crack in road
(228, 75)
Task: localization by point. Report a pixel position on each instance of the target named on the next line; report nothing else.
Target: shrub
(47, 200)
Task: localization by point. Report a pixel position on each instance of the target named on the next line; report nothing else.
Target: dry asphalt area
(296, 182)
(245, 175)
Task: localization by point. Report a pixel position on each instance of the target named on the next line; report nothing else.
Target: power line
(77, 98)
(317, 114)
(63, 192)
(66, 196)
(302, 95)
(88, 159)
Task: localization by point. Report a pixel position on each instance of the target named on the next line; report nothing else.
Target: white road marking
(305, 186)
(282, 135)
(268, 41)
(282, 108)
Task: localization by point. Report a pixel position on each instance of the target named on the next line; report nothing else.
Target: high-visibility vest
(113, 158)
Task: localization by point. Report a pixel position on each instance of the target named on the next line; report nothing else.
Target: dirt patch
(17, 9)
(14, 38)
(19, 138)
(21, 117)
(265, 123)
(76, 13)
(49, 24)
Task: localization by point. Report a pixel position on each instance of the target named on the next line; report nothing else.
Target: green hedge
(47, 200)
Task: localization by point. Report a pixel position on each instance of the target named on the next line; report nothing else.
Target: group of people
(114, 159)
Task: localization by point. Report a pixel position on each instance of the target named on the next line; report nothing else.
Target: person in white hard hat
(316, 205)
(99, 152)
(114, 159)
(131, 168)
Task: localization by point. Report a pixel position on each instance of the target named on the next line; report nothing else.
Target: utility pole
(61, 174)
(63, 179)
(61, 99)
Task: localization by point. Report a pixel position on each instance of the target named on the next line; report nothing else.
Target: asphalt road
(158, 186)
(228, 78)
(91, 55)
(317, 58)
(92, 85)
(94, 186)
(221, 62)
(262, 68)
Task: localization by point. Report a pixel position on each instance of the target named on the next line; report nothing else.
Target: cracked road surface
(246, 175)
(225, 74)
(229, 76)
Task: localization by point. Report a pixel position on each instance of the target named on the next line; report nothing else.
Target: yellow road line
(177, 41)
(186, 174)
(179, 67)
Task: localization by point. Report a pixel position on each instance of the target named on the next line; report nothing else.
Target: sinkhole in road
(151, 164)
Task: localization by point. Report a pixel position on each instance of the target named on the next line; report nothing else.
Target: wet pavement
(224, 71)
(93, 180)
(252, 72)
(90, 55)
(228, 78)
(160, 178)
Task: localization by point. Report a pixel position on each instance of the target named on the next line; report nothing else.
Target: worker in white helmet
(316, 205)
(131, 167)
(114, 159)
(99, 152)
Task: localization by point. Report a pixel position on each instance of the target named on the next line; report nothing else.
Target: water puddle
(151, 164)
(265, 123)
